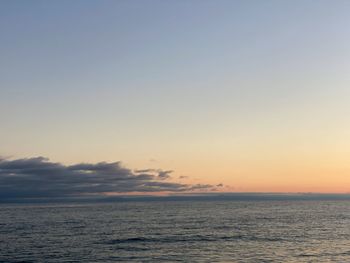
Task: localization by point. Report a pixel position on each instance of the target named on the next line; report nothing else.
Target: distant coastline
(187, 197)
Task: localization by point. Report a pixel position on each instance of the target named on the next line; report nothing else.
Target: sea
(177, 231)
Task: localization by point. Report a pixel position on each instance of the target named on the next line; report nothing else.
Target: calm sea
(169, 231)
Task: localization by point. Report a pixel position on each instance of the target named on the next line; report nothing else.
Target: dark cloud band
(39, 177)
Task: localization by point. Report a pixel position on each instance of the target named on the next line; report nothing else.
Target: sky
(240, 96)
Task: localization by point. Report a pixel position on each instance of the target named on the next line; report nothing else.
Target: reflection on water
(192, 231)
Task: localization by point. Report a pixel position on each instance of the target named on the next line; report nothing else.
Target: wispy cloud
(161, 174)
(39, 177)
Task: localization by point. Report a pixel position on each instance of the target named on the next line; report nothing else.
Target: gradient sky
(251, 94)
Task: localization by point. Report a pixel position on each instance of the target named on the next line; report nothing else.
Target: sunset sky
(254, 95)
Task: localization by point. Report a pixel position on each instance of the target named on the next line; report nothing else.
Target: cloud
(200, 187)
(161, 174)
(39, 177)
(164, 174)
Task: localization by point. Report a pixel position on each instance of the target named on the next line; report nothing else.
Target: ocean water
(170, 231)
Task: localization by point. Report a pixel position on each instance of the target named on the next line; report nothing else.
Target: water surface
(191, 231)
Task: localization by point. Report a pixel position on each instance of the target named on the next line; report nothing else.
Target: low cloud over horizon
(39, 177)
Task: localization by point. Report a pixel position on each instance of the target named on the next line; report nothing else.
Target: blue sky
(200, 86)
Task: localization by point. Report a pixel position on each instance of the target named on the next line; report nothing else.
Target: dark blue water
(190, 231)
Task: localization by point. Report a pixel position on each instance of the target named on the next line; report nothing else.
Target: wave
(197, 238)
